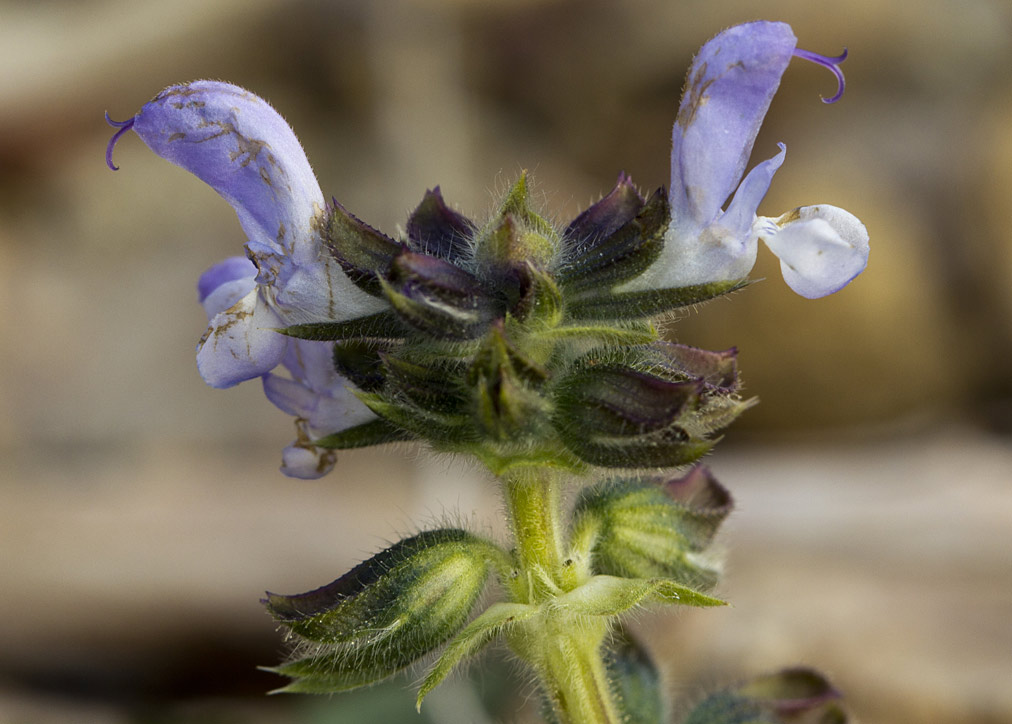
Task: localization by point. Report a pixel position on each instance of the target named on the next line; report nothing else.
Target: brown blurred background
(142, 514)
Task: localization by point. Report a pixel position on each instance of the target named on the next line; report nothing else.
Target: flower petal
(315, 392)
(307, 462)
(320, 291)
(821, 248)
(225, 283)
(731, 84)
(241, 343)
(741, 212)
(231, 269)
(239, 145)
(320, 402)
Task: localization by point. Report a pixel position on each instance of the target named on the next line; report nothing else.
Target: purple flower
(731, 83)
(244, 150)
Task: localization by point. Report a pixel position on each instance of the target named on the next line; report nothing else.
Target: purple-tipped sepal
(652, 528)
(798, 695)
(385, 613)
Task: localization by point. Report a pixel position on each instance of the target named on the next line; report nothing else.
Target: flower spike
(834, 66)
(123, 127)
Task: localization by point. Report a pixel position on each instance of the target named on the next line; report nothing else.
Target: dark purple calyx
(834, 66)
(437, 230)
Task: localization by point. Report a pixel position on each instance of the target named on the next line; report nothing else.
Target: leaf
(374, 432)
(612, 595)
(605, 304)
(474, 637)
(382, 325)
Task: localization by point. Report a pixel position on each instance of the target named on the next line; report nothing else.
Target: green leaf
(626, 333)
(606, 304)
(374, 432)
(611, 595)
(382, 325)
(474, 637)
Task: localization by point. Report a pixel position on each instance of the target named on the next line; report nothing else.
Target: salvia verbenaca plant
(533, 348)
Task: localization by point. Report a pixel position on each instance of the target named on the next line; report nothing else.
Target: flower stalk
(575, 677)
(565, 649)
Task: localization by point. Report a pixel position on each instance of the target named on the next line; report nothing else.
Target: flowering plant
(533, 349)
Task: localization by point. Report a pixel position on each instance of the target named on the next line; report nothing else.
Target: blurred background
(142, 514)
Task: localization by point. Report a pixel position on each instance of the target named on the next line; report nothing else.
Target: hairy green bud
(643, 528)
(385, 613)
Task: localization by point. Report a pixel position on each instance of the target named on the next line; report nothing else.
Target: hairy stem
(532, 497)
(565, 650)
(576, 679)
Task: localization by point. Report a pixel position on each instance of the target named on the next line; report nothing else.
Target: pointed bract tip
(832, 63)
(122, 127)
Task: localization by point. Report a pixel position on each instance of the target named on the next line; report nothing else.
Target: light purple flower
(239, 145)
(320, 402)
(731, 83)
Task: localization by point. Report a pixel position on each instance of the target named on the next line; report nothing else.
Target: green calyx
(643, 528)
(385, 613)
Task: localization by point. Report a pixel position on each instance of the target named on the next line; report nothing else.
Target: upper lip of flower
(239, 145)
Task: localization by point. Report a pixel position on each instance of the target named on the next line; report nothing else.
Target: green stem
(565, 650)
(532, 496)
(576, 680)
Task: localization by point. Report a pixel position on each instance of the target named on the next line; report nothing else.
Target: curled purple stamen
(123, 127)
(832, 63)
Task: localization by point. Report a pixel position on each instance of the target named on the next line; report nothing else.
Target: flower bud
(359, 360)
(638, 687)
(437, 297)
(602, 260)
(599, 221)
(791, 696)
(616, 416)
(505, 388)
(383, 614)
(647, 529)
(516, 235)
(437, 230)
